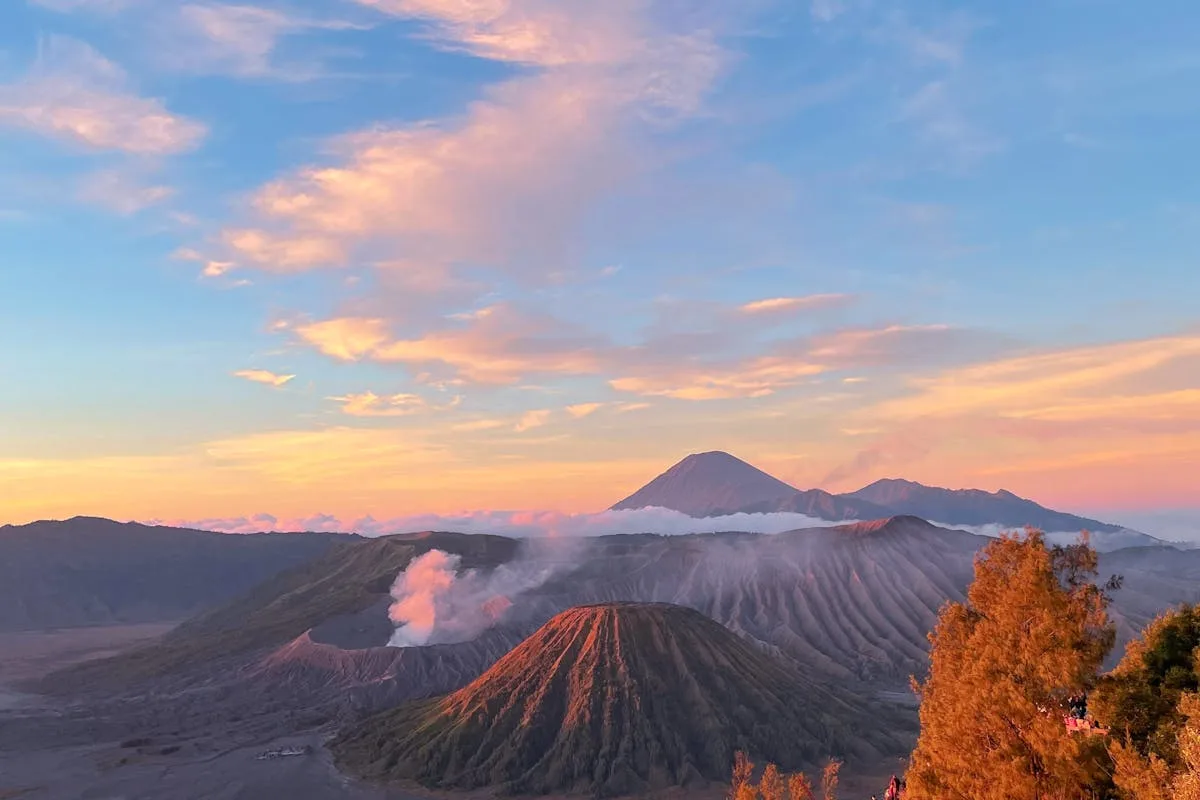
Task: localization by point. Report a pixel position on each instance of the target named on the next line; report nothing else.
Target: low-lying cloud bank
(525, 524)
(516, 523)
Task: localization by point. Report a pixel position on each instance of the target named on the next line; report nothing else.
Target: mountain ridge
(716, 483)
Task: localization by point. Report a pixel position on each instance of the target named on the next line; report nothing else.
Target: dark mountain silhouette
(972, 507)
(617, 699)
(716, 483)
(89, 571)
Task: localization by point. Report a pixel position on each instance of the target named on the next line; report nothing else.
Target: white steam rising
(434, 603)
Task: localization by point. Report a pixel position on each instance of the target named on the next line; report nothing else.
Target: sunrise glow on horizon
(403, 257)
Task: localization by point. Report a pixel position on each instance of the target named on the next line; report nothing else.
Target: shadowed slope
(347, 580)
(88, 571)
(616, 699)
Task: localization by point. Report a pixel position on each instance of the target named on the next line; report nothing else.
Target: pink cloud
(75, 94)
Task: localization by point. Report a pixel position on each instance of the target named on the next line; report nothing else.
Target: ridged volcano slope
(616, 699)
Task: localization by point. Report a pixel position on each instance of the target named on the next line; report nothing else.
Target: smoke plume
(433, 602)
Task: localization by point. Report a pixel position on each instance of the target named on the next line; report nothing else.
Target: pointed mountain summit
(705, 484)
(716, 483)
(619, 699)
(972, 507)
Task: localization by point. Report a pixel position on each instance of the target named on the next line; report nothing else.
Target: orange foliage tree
(1032, 633)
(774, 785)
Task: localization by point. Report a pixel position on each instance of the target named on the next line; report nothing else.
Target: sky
(398, 257)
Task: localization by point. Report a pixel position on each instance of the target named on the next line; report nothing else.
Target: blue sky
(531, 251)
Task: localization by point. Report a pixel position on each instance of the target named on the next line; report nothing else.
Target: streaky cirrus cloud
(263, 376)
(84, 5)
(209, 38)
(1145, 374)
(1092, 401)
(75, 94)
(790, 362)
(234, 39)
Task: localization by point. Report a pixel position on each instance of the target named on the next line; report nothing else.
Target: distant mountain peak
(702, 484)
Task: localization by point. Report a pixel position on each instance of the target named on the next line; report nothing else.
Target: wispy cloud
(1124, 400)
(211, 38)
(581, 410)
(84, 5)
(501, 345)
(369, 404)
(264, 376)
(549, 142)
(941, 120)
(776, 305)
(1064, 384)
(122, 191)
(242, 40)
(75, 94)
(532, 419)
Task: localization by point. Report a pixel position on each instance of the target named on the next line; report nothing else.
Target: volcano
(716, 483)
(703, 484)
(617, 699)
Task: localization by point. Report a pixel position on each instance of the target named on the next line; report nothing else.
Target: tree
(771, 785)
(740, 787)
(1032, 633)
(1140, 699)
(799, 787)
(1148, 776)
(829, 779)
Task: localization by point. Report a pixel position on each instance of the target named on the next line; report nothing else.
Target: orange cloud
(278, 253)
(581, 410)
(369, 404)
(1084, 379)
(757, 377)
(263, 376)
(532, 419)
(1099, 405)
(74, 93)
(346, 338)
(497, 345)
(775, 305)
